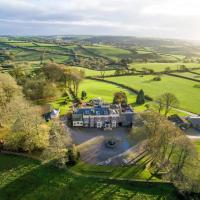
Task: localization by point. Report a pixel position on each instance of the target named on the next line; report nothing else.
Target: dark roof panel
(97, 110)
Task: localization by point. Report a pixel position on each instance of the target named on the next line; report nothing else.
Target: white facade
(78, 123)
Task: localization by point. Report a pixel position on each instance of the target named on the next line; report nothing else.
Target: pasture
(185, 90)
(90, 72)
(104, 90)
(158, 67)
(109, 51)
(189, 75)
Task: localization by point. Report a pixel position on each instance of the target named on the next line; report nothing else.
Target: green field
(90, 72)
(157, 67)
(197, 71)
(104, 90)
(187, 94)
(96, 89)
(21, 44)
(24, 179)
(109, 51)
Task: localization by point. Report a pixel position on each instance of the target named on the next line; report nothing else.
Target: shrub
(73, 156)
(157, 78)
(83, 95)
(197, 86)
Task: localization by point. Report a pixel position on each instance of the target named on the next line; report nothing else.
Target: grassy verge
(138, 171)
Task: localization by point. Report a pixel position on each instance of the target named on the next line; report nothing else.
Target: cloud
(151, 18)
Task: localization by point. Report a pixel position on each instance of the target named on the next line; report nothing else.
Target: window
(97, 112)
(114, 123)
(99, 124)
(87, 112)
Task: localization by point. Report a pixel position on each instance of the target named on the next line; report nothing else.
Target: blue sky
(145, 18)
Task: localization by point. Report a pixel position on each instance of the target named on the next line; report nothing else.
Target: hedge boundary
(184, 77)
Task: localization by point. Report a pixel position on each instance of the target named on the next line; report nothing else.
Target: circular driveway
(91, 143)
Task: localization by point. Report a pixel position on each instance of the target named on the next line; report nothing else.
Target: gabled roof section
(96, 110)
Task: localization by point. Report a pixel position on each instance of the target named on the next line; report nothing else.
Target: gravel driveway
(193, 134)
(91, 143)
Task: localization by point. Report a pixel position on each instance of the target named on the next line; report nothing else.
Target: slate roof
(96, 110)
(194, 120)
(77, 117)
(129, 117)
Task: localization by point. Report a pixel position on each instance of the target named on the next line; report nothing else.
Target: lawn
(161, 66)
(103, 90)
(95, 89)
(24, 179)
(187, 94)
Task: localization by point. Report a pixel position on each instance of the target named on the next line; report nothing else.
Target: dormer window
(87, 112)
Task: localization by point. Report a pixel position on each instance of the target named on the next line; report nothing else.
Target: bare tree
(166, 102)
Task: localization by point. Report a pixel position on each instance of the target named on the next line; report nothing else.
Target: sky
(143, 18)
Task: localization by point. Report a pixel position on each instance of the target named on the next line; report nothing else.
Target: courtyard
(92, 145)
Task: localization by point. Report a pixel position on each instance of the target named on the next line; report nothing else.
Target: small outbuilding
(194, 121)
(51, 115)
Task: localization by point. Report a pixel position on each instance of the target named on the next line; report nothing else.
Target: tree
(120, 98)
(59, 140)
(167, 69)
(76, 77)
(118, 72)
(167, 101)
(42, 57)
(53, 72)
(183, 68)
(28, 132)
(140, 98)
(73, 155)
(83, 94)
(20, 72)
(65, 77)
(124, 62)
(37, 89)
(9, 91)
(102, 71)
(171, 151)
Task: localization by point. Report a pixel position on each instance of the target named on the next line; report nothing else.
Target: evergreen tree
(140, 98)
(83, 94)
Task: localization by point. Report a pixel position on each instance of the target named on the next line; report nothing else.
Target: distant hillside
(179, 47)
